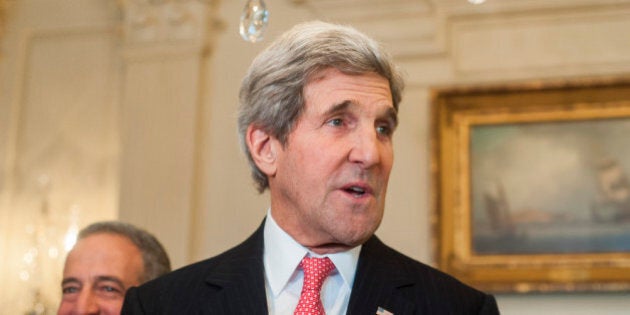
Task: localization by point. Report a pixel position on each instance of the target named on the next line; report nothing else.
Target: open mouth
(357, 191)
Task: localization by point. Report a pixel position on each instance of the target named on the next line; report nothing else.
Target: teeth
(357, 190)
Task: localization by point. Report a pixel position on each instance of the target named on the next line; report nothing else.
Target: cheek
(64, 308)
(111, 307)
(312, 162)
(387, 163)
(388, 155)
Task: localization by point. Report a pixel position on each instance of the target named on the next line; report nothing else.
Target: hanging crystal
(254, 20)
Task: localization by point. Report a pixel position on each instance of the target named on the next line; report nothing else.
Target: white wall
(59, 136)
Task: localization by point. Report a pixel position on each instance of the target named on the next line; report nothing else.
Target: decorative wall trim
(567, 41)
(428, 29)
(55, 164)
(161, 21)
(3, 10)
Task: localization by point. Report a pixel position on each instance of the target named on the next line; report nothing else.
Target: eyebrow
(338, 108)
(391, 114)
(69, 280)
(110, 278)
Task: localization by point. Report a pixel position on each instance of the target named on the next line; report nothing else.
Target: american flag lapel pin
(382, 311)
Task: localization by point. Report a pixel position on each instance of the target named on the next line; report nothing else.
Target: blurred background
(126, 109)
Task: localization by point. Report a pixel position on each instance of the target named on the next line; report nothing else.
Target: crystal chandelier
(254, 20)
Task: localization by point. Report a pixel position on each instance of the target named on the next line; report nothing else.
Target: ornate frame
(459, 116)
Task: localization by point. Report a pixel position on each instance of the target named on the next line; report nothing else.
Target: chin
(359, 237)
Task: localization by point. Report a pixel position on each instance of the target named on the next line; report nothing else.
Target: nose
(86, 303)
(367, 148)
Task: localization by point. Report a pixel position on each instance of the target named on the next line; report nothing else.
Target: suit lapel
(379, 282)
(239, 280)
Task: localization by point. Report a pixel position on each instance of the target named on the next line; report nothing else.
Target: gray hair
(154, 257)
(271, 94)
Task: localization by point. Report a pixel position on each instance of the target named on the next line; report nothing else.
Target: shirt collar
(282, 255)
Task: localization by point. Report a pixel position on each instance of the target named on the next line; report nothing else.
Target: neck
(329, 248)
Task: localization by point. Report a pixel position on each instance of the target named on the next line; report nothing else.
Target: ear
(263, 148)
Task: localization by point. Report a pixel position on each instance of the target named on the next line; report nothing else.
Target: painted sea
(570, 237)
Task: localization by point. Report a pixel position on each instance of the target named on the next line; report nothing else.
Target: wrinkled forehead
(321, 73)
(104, 254)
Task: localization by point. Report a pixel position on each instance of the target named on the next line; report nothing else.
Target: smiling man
(108, 259)
(318, 112)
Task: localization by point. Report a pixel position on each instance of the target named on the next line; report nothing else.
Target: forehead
(104, 254)
(332, 83)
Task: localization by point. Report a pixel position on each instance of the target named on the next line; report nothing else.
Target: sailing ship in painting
(614, 190)
(533, 231)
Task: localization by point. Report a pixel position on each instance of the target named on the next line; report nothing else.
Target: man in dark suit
(318, 112)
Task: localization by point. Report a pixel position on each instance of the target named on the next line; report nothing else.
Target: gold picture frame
(531, 192)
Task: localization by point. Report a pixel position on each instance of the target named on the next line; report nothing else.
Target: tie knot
(315, 271)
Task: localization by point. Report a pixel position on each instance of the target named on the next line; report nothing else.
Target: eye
(109, 292)
(384, 129)
(335, 122)
(69, 290)
(108, 289)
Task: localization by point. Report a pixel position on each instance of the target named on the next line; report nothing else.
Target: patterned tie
(315, 271)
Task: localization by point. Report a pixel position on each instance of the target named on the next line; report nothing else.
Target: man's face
(328, 190)
(98, 271)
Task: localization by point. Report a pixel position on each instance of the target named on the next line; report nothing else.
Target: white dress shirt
(283, 279)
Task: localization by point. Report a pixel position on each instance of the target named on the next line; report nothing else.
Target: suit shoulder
(424, 284)
(190, 288)
(410, 267)
(195, 274)
(186, 277)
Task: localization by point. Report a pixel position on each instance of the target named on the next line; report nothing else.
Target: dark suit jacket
(234, 283)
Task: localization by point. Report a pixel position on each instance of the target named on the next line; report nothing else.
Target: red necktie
(316, 270)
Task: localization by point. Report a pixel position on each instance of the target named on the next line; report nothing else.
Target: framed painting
(532, 185)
